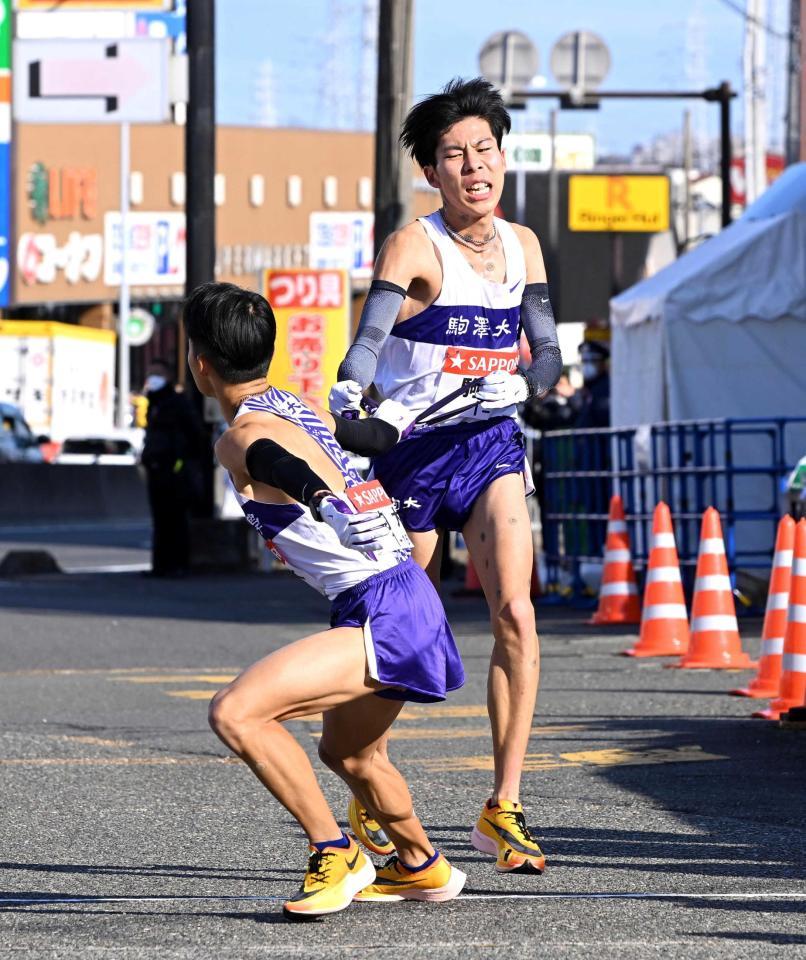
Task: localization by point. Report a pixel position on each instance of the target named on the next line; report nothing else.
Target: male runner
(450, 296)
(389, 640)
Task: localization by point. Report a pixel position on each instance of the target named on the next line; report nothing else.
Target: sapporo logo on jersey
(368, 496)
(466, 361)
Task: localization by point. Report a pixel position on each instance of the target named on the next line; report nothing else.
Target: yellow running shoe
(435, 883)
(501, 830)
(334, 876)
(368, 831)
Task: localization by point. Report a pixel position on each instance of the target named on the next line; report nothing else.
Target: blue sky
(647, 42)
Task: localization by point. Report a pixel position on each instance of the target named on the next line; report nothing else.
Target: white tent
(721, 332)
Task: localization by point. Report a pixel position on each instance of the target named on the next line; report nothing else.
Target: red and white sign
(307, 288)
(467, 362)
(368, 496)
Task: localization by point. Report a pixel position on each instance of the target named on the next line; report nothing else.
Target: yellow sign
(628, 204)
(312, 310)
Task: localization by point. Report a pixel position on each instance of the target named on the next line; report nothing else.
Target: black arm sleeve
(537, 319)
(268, 462)
(367, 438)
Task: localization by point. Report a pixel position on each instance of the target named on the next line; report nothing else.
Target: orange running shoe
(501, 831)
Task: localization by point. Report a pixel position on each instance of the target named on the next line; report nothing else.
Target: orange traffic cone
(767, 681)
(472, 584)
(793, 676)
(715, 642)
(618, 594)
(664, 622)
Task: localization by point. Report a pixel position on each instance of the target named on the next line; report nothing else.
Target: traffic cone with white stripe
(793, 676)
(767, 681)
(664, 621)
(618, 594)
(715, 641)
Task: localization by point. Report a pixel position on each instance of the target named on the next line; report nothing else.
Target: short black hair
(430, 118)
(234, 328)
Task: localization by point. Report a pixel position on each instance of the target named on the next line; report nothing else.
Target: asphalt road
(673, 824)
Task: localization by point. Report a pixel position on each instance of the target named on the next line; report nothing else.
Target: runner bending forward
(389, 641)
(451, 294)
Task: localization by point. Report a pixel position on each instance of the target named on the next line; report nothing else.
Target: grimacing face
(469, 170)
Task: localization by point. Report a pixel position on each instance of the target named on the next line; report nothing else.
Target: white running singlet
(310, 548)
(470, 330)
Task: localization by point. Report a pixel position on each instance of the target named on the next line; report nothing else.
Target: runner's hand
(395, 414)
(344, 398)
(499, 390)
(366, 532)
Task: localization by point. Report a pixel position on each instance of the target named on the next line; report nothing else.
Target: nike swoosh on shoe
(511, 840)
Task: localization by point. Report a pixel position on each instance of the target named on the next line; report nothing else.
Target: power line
(789, 35)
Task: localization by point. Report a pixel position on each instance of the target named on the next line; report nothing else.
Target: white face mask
(153, 383)
(590, 370)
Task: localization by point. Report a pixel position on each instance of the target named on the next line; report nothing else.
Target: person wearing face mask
(174, 444)
(594, 397)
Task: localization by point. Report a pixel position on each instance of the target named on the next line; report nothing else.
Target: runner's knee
(514, 623)
(228, 715)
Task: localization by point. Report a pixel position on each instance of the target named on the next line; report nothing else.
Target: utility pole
(200, 143)
(755, 113)
(792, 150)
(200, 179)
(392, 167)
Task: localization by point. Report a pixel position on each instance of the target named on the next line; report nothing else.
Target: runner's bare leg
(248, 713)
(348, 748)
(427, 552)
(499, 539)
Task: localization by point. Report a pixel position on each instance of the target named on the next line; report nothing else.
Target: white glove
(366, 532)
(344, 396)
(394, 413)
(499, 390)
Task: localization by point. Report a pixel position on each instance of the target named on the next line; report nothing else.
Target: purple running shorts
(437, 475)
(408, 641)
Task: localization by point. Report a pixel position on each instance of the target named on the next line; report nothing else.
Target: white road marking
(615, 895)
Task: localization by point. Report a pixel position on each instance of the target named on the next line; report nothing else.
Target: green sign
(5, 34)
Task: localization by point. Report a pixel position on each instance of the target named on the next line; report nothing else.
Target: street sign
(580, 60)
(342, 241)
(509, 60)
(78, 81)
(618, 204)
(155, 254)
(532, 151)
(139, 327)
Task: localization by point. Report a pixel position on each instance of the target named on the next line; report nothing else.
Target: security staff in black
(175, 443)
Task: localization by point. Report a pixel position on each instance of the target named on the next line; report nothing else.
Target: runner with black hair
(450, 296)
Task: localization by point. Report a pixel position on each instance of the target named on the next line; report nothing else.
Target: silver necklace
(477, 245)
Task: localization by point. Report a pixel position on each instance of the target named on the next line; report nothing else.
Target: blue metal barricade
(735, 465)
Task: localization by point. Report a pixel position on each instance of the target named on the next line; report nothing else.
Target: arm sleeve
(381, 308)
(537, 320)
(268, 462)
(367, 438)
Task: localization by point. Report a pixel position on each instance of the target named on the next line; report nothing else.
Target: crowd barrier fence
(735, 465)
